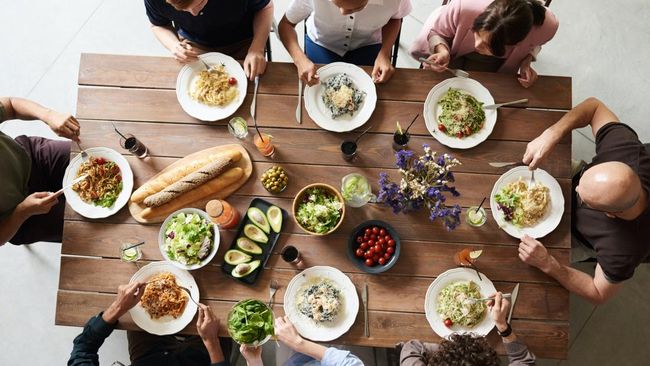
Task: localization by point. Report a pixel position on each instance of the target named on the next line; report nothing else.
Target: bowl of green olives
(275, 179)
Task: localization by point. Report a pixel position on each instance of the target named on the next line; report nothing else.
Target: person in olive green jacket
(31, 168)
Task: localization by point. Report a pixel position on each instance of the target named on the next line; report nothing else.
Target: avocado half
(274, 214)
(254, 233)
(244, 269)
(248, 246)
(259, 218)
(235, 257)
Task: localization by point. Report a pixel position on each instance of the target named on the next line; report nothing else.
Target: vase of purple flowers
(425, 181)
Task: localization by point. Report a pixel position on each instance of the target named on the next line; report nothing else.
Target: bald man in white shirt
(361, 32)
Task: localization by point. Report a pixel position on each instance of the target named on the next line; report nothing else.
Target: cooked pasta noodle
(162, 296)
(103, 184)
(213, 87)
(522, 204)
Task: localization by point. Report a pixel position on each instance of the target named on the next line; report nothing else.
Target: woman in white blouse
(360, 32)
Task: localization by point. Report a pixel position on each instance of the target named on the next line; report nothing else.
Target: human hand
(440, 59)
(184, 52)
(533, 253)
(127, 297)
(383, 69)
(253, 355)
(37, 203)
(207, 325)
(538, 149)
(498, 309)
(307, 71)
(254, 64)
(286, 332)
(527, 75)
(63, 124)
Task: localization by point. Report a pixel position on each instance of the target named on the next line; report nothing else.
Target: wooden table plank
(420, 228)
(552, 92)
(545, 339)
(417, 258)
(151, 105)
(387, 293)
(315, 147)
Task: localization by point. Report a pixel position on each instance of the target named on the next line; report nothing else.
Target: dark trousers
(143, 346)
(49, 161)
(318, 54)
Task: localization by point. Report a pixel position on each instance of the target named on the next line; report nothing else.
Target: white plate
(319, 112)
(431, 302)
(553, 215)
(432, 110)
(188, 75)
(167, 324)
(347, 314)
(215, 242)
(88, 209)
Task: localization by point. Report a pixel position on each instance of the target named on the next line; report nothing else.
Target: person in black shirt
(150, 350)
(188, 28)
(611, 210)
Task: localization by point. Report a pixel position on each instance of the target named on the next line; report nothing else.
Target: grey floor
(601, 44)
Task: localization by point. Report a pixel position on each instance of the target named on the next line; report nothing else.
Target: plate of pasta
(344, 99)
(520, 207)
(164, 307)
(107, 187)
(454, 114)
(215, 94)
(449, 299)
(322, 303)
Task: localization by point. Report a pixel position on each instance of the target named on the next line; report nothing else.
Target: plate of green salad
(454, 114)
(318, 209)
(188, 238)
(448, 305)
(250, 322)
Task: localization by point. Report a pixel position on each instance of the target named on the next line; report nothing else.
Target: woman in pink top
(486, 35)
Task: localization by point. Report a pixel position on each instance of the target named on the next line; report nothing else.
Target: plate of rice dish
(344, 99)
(520, 206)
(214, 94)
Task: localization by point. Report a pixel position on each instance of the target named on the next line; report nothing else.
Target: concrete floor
(600, 44)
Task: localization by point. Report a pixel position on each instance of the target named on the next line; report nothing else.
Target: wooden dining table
(138, 95)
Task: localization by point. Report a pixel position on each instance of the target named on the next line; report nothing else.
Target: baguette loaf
(159, 183)
(189, 182)
(211, 188)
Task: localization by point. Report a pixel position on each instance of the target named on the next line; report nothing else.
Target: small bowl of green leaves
(250, 322)
(318, 209)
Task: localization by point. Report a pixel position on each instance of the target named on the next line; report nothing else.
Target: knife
(60, 191)
(508, 164)
(495, 106)
(254, 103)
(513, 300)
(299, 107)
(364, 299)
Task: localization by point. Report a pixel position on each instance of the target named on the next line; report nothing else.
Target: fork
(84, 154)
(189, 294)
(457, 72)
(532, 177)
(207, 67)
(474, 301)
(273, 288)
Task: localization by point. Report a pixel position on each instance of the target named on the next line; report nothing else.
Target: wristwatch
(506, 332)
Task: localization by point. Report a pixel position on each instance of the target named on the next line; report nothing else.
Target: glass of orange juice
(264, 144)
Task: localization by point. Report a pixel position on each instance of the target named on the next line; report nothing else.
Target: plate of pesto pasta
(211, 94)
(454, 114)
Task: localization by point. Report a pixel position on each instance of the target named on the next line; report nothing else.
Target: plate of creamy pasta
(521, 207)
(214, 94)
(107, 186)
(344, 99)
(164, 307)
(322, 303)
(454, 114)
(450, 298)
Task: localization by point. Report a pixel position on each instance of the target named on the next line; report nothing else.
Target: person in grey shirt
(469, 349)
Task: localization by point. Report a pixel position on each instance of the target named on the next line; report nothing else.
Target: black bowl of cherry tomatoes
(374, 246)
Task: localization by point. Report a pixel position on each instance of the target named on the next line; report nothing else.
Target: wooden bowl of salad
(318, 209)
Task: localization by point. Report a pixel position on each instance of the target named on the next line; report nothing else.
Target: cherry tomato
(364, 246)
(390, 250)
(368, 231)
(391, 243)
(100, 161)
(379, 249)
(459, 135)
(387, 256)
(448, 323)
(359, 239)
(366, 238)
(375, 257)
(367, 255)
(382, 261)
(375, 230)
(373, 237)
(382, 231)
(370, 262)
(442, 127)
(371, 243)
(232, 81)
(381, 241)
(371, 250)
(359, 252)
(387, 238)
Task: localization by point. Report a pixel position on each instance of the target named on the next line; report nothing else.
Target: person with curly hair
(469, 349)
